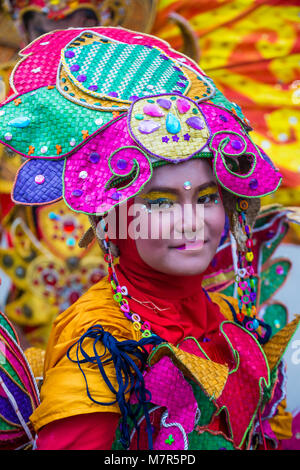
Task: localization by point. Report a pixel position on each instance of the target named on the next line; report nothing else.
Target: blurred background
(251, 49)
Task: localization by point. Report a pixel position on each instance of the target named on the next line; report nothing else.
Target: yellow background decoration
(251, 49)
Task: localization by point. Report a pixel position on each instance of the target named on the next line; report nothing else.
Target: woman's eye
(208, 198)
(161, 204)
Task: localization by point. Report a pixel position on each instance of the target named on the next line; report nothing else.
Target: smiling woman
(197, 222)
(135, 130)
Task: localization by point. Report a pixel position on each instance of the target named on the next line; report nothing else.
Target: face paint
(159, 200)
(208, 195)
(185, 232)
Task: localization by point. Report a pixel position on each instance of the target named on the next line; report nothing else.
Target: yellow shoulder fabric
(281, 423)
(225, 310)
(63, 392)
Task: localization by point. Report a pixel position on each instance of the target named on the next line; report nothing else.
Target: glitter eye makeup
(208, 195)
(159, 200)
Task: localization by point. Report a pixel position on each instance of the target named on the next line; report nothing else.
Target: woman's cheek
(214, 222)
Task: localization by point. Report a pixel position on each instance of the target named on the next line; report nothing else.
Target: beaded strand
(120, 291)
(246, 281)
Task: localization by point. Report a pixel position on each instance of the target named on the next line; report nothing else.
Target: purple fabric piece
(27, 191)
(23, 401)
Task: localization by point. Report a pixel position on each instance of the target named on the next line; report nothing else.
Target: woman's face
(182, 218)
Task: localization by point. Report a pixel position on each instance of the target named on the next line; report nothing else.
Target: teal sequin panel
(102, 69)
(52, 121)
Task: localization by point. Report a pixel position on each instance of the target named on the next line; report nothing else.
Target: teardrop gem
(153, 110)
(195, 122)
(172, 124)
(21, 122)
(183, 105)
(148, 126)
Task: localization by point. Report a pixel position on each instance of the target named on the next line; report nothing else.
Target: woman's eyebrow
(209, 184)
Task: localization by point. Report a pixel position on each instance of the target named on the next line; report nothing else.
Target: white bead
(39, 179)
(83, 174)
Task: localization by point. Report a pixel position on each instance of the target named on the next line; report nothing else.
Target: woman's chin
(191, 267)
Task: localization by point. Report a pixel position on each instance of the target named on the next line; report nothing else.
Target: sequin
(20, 122)
(153, 110)
(253, 184)
(164, 103)
(81, 78)
(195, 122)
(83, 174)
(183, 105)
(279, 269)
(69, 54)
(71, 241)
(94, 157)
(236, 144)
(77, 192)
(122, 164)
(39, 179)
(116, 196)
(187, 185)
(173, 124)
(148, 126)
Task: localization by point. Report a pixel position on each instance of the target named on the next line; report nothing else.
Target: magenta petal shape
(261, 179)
(91, 194)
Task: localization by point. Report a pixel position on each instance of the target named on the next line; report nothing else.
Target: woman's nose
(190, 221)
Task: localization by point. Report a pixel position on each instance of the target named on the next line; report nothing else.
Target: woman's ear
(96, 231)
(230, 202)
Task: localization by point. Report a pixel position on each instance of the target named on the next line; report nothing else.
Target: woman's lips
(190, 246)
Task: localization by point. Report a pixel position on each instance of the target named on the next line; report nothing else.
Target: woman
(141, 133)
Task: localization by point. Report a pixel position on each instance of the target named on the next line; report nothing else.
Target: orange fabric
(281, 424)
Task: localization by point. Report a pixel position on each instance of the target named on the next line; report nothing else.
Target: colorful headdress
(96, 110)
(107, 12)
